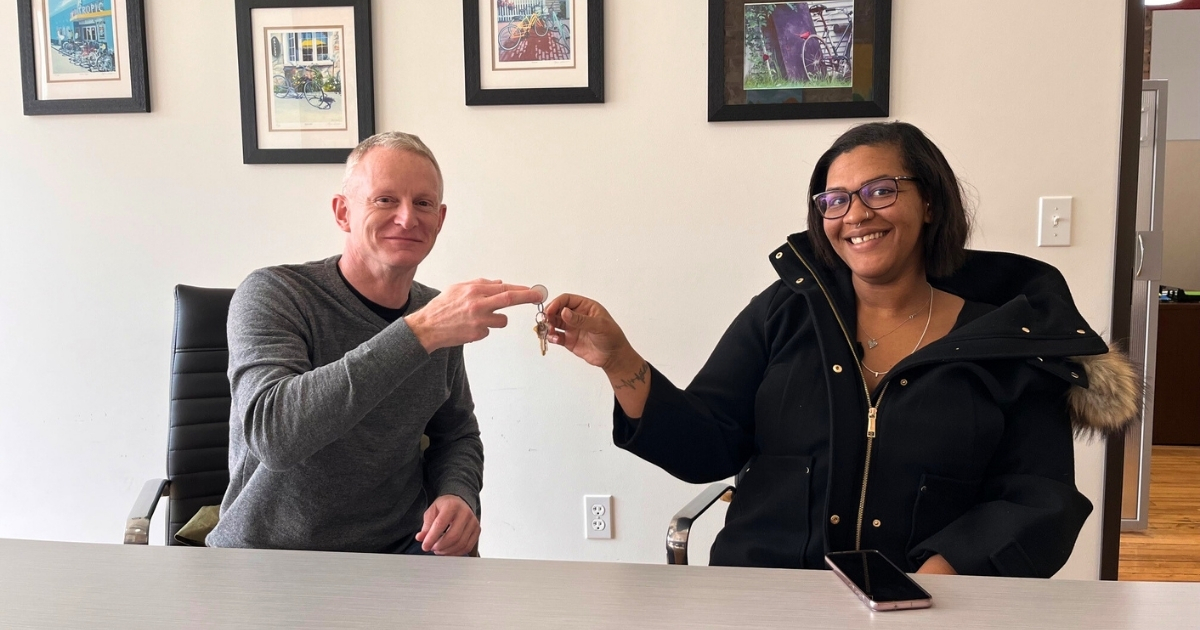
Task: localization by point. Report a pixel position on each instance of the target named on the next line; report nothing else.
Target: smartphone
(880, 584)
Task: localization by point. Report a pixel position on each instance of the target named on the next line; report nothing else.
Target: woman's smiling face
(880, 245)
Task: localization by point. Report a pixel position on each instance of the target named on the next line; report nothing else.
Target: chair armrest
(137, 527)
(681, 524)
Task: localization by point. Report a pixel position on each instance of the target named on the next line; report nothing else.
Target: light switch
(1054, 221)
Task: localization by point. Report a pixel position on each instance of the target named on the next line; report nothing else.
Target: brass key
(542, 328)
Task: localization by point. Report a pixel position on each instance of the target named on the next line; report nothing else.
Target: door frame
(1123, 260)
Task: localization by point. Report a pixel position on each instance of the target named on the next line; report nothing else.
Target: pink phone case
(907, 604)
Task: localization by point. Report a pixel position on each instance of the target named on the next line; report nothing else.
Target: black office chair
(681, 524)
(198, 441)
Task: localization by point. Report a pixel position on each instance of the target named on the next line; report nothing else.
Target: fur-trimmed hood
(1111, 401)
(1035, 319)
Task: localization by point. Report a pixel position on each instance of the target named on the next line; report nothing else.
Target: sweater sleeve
(706, 432)
(288, 409)
(1029, 511)
(454, 459)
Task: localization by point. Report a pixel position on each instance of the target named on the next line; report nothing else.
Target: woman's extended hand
(585, 328)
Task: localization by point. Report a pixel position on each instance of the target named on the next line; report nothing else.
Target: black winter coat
(965, 449)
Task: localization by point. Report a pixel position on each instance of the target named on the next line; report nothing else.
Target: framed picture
(779, 60)
(528, 52)
(83, 56)
(308, 96)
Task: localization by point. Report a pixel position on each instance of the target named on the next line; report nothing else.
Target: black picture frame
(477, 95)
(252, 153)
(137, 102)
(866, 95)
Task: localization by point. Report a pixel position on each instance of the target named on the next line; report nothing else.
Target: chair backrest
(198, 441)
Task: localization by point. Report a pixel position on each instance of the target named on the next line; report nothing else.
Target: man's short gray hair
(397, 140)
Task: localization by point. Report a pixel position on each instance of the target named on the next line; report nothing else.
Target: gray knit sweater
(329, 404)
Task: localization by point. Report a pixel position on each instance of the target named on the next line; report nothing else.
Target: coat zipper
(872, 412)
(872, 408)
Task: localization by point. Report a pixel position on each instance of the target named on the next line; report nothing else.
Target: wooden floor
(1169, 549)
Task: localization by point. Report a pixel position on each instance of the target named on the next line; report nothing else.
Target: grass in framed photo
(83, 56)
(782, 60)
(306, 79)
(534, 51)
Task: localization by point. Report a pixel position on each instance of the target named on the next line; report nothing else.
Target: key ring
(541, 328)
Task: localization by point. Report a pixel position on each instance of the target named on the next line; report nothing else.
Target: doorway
(1152, 504)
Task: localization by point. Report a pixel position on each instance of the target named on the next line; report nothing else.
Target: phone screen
(874, 575)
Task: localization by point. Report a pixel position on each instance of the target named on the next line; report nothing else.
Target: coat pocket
(1012, 561)
(940, 500)
(767, 523)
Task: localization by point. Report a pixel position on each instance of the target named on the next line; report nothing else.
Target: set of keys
(541, 328)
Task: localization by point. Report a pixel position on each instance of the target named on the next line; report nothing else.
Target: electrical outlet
(597, 515)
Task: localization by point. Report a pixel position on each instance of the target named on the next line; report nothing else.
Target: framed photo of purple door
(529, 52)
(83, 56)
(306, 75)
(784, 60)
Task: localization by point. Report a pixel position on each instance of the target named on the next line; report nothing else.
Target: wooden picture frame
(533, 52)
(307, 79)
(787, 60)
(87, 58)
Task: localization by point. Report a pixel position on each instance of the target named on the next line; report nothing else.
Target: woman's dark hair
(945, 237)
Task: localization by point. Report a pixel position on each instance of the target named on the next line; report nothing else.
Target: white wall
(640, 203)
(1181, 208)
(1173, 57)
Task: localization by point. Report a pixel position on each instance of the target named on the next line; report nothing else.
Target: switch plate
(597, 516)
(1054, 221)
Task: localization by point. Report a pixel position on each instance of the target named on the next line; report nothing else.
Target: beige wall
(1181, 214)
(639, 202)
(1173, 57)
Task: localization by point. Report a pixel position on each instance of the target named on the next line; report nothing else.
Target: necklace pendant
(871, 343)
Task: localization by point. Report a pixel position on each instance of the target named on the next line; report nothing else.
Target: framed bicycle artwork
(528, 52)
(305, 69)
(783, 60)
(83, 56)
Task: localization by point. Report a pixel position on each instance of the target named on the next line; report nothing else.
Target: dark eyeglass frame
(862, 195)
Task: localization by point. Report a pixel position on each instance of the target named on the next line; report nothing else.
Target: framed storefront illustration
(83, 56)
(306, 77)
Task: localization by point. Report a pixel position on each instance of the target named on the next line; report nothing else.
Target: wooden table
(72, 585)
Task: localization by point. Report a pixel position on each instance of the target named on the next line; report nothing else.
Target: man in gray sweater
(338, 367)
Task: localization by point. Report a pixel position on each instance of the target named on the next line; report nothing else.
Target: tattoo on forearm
(638, 377)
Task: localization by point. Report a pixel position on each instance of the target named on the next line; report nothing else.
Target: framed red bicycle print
(781, 60)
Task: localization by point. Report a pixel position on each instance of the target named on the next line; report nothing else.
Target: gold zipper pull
(871, 421)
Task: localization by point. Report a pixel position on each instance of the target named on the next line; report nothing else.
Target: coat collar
(1034, 314)
(1034, 318)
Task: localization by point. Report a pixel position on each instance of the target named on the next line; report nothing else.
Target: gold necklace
(874, 341)
(928, 318)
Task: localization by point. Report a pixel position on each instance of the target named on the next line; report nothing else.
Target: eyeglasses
(875, 194)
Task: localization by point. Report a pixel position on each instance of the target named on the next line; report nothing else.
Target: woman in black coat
(891, 391)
